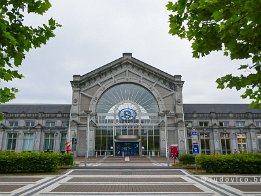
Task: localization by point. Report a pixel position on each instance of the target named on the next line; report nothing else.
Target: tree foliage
(232, 26)
(16, 38)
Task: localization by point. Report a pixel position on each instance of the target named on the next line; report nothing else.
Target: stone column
(253, 138)
(57, 139)
(1, 138)
(37, 140)
(92, 141)
(234, 147)
(19, 141)
(216, 141)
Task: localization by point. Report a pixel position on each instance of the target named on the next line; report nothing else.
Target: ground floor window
(190, 145)
(104, 140)
(225, 143)
(150, 140)
(11, 141)
(28, 141)
(204, 142)
(48, 142)
(63, 141)
(241, 142)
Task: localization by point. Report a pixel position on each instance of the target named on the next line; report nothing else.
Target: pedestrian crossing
(160, 164)
(82, 164)
(90, 164)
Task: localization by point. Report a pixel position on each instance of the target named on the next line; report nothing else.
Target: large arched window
(127, 121)
(127, 95)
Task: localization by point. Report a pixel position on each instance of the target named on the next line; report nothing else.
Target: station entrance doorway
(127, 149)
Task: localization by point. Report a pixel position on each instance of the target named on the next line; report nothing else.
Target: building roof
(35, 108)
(219, 108)
(65, 108)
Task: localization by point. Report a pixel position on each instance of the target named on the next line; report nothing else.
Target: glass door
(126, 148)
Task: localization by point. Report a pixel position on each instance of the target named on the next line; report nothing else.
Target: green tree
(231, 26)
(16, 38)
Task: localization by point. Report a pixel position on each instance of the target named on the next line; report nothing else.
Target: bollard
(158, 154)
(105, 154)
(149, 154)
(122, 154)
(96, 154)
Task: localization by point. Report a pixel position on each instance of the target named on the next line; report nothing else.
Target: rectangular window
(13, 123)
(48, 141)
(190, 146)
(65, 123)
(28, 141)
(240, 123)
(63, 141)
(50, 124)
(188, 123)
(11, 141)
(225, 143)
(203, 123)
(223, 123)
(258, 123)
(29, 123)
(241, 142)
(204, 141)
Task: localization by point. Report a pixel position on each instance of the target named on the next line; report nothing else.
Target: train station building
(129, 108)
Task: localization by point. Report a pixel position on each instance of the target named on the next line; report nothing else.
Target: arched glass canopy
(127, 95)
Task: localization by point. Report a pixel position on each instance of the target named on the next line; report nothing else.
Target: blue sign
(194, 133)
(195, 149)
(127, 114)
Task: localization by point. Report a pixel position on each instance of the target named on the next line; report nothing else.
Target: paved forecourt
(137, 176)
(131, 181)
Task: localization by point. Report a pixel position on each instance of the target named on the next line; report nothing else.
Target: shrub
(65, 159)
(187, 159)
(32, 161)
(243, 163)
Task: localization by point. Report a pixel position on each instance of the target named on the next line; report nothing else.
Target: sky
(96, 32)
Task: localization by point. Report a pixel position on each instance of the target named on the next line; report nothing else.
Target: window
(225, 143)
(63, 141)
(259, 141)
(11, 141)
(240, 123)
(28, 141)
(65, 124)
(188, 123)
(127, 91)
(50, 124)
(241, 142)
(203, 124)
(223, 123)
(258, 123)
(29, 123)
(48, 141)
(13, 123)
(204, 141)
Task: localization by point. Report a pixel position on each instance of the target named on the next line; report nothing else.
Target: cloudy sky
(96, 32)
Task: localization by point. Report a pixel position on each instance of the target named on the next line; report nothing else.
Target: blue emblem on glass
(127, 114)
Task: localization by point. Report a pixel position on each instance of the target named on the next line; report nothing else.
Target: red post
(68, 147)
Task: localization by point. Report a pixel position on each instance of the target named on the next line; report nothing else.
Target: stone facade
(221, 128)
